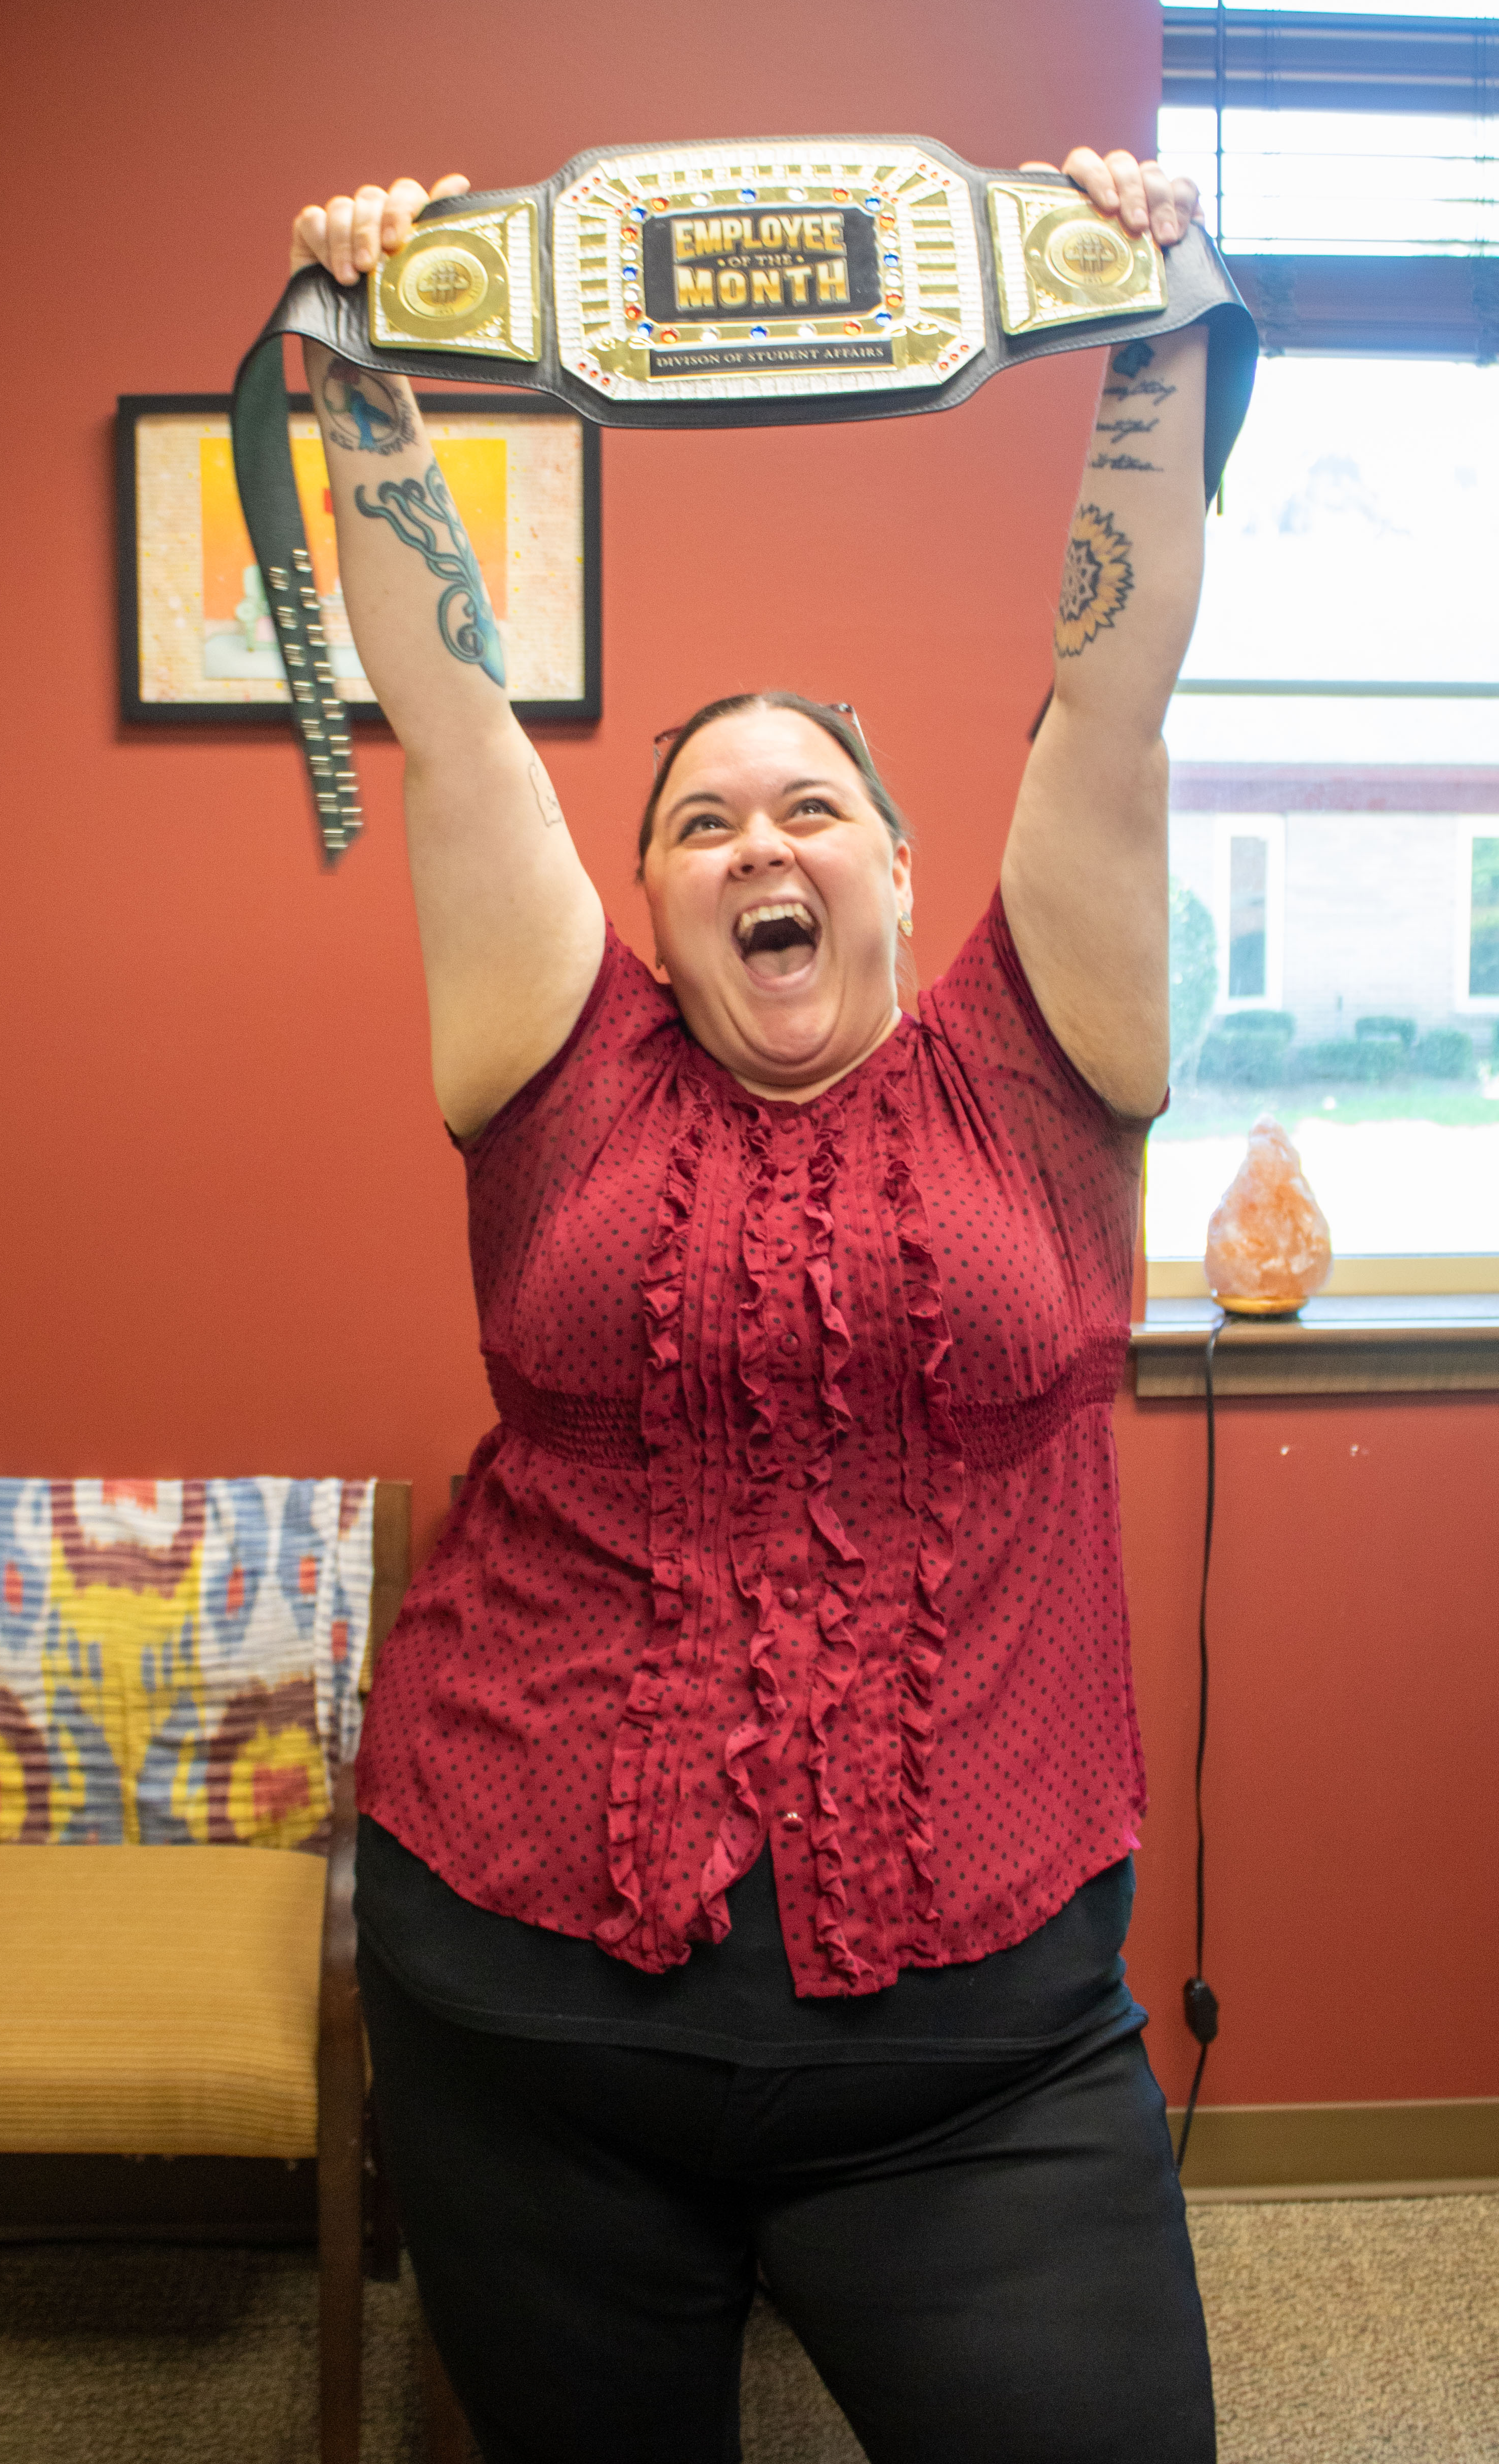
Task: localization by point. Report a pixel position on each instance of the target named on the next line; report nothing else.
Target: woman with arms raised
(748, 1787)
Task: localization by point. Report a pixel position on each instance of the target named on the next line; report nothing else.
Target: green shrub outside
(1367, 1064)
(1380, 1029)
(1232, 1057)
(1442, 1052)
(1445, 1053)
(1262, 1026)
(1247, 1049)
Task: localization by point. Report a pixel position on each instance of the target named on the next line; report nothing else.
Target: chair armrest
(341, 2033)
(338, 2023)
(341, 2144)
(391, 1538)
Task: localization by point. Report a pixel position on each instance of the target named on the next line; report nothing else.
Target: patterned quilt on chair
(179, 1659)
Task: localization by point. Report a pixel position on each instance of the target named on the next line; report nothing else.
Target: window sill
(1454, 1277)
(1404, 1343)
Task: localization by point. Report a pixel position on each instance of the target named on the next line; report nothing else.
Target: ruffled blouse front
(800, 1517)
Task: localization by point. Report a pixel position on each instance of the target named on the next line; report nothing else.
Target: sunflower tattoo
(1096, 580)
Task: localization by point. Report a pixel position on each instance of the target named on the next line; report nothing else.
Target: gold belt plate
(471, 282)
(1061, 263)
(761, 268)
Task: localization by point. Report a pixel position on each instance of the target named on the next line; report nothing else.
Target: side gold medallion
(1095, 261)
(467, 283)
(1059, 264)
(452, 287)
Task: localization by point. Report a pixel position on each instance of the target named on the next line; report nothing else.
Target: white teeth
(770, 914)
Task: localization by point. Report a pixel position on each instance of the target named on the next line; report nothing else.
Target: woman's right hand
(349, 235)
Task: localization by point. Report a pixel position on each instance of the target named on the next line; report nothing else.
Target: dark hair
(832, 722)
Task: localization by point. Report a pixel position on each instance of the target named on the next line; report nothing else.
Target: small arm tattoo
(545, 795)
(415, 510)
(1149, 389)
(1128, 386)
(365, 414)
(1114, 431)
(1097, 578)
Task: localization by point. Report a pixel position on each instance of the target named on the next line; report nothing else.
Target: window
(1341, 183)
(1334, 829)
(1334, 737)
(1350, 166)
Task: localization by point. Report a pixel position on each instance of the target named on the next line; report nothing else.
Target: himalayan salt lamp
(1269, 1248)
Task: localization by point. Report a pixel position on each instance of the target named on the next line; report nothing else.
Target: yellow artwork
(239, 636)
(205, 633)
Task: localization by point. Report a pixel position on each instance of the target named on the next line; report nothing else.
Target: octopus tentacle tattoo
(416, 510)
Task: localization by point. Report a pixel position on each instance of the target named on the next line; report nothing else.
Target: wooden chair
(124, 1955)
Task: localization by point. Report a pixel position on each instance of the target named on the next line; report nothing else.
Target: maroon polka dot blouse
(800, 1514)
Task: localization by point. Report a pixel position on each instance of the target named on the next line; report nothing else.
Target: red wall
(1352, 1879)
(232, 1230)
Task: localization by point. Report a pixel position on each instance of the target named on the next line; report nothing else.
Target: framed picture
(196, 639)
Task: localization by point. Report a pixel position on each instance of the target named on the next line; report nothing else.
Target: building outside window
(1335, 740)
(1477, 980)
(1244, 915)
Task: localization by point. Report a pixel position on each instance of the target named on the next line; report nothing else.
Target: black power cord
(1199, 2003)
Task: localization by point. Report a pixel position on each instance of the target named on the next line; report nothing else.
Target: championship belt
(744, 282)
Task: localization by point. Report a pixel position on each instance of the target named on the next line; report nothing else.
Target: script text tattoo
(1126, 385)
(365, 413)
(416, 510)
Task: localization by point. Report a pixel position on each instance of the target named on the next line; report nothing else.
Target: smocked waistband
(603, 1430)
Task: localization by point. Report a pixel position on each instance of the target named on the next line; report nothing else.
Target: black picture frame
(136, 711)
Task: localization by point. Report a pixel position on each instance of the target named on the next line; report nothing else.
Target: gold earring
(905, 923)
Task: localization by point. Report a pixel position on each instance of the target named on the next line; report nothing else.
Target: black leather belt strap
(1196, 287)
(274, 518)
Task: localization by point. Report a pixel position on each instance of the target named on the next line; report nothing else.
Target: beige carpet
(1344, 2332)
(1353, 2331)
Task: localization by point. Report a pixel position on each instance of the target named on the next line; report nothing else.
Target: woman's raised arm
(1084, 876)
(511, 926)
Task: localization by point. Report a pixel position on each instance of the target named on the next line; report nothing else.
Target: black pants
(988, 2264)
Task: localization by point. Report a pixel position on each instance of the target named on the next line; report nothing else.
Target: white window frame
(1272, 829)
(1384, 1273)
(1478, 825)
(1311, 315)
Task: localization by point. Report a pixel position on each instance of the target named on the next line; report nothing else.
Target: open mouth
(777, 938)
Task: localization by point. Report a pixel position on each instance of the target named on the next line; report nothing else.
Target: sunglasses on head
(668, 735)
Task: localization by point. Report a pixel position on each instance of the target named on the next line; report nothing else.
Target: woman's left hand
(1142, 194)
